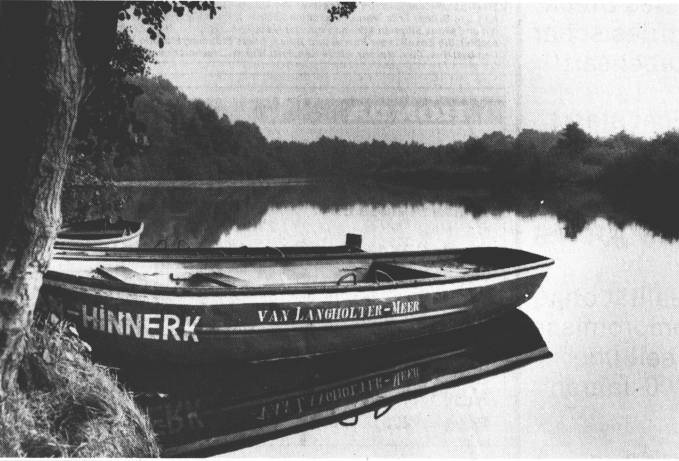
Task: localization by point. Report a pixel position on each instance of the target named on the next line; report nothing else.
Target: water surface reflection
(608, 308)
(201, 411)
(200, 217)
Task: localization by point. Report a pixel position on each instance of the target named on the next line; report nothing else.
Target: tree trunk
(42, 82)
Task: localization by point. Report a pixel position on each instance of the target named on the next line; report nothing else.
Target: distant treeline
(187, 139)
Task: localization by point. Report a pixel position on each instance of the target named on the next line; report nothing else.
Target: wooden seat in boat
(441, 270)
(126, 275)
(219, 278)
(383, 272)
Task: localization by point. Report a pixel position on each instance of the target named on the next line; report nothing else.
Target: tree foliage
(153, 14)
(573, 139)
(106, 127)
(110, 138)
(341, 10)
(187, 139)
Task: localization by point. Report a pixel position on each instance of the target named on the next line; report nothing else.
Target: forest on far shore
(179, 138)
(156, 132)
(141, 127)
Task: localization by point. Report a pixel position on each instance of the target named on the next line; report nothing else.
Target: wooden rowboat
(158, 254)
(209, 410)
(99, 233)
(221, 304)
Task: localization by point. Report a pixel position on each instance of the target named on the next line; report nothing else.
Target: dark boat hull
(270, 327)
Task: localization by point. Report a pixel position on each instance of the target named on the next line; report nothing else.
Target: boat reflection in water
(203, 411)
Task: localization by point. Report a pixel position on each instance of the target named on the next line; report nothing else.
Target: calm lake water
(607, 311)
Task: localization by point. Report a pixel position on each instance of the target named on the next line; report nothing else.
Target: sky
(429, 72)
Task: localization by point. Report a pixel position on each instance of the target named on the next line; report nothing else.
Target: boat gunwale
(221, 254)
(311, 288)
(84, 244)
(203, 254)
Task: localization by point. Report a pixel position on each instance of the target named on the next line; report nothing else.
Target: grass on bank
(68, 406)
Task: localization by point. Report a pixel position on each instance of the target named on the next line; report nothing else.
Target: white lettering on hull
(165, 327)
(301, 314)
(405, 307)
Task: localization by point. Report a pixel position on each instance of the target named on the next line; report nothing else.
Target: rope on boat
(348, 423)
(380, 272)
(346, 276)
(377, 414)
(280, 252)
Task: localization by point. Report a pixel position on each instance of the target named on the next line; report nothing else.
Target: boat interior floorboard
(237, 277)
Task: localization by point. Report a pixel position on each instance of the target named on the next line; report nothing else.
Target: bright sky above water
(433, 73)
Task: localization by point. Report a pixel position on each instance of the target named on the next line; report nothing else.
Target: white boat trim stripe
(228, 299)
